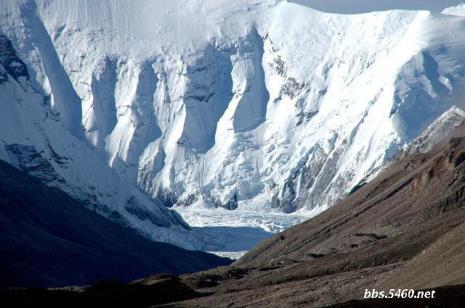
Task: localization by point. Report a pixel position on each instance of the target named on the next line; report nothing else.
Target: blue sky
(361, 6)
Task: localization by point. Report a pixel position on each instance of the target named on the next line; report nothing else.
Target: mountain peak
(258, 107)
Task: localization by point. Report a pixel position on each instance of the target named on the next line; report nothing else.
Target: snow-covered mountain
(35, 140)
(366, 6)
(216, 106)
(438, 131)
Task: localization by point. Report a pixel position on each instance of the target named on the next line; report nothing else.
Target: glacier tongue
(256, 106)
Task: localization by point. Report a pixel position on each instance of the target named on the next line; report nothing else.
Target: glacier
(249, 113)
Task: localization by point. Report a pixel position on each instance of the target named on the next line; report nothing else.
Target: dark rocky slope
(158, 289)
(49, 239)
(402, 230)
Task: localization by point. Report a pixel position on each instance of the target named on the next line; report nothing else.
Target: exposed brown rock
(401, 230)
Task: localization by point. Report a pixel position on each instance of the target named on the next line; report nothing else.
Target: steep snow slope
(256, 105)
(34, 140)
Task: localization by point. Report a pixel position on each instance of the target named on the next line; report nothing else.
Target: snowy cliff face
(34, 139)
(252, 105)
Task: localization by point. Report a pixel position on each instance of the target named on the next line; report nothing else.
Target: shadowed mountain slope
(49, 239)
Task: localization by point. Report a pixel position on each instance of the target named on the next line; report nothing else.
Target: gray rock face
(30, 161)
(10, 61)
